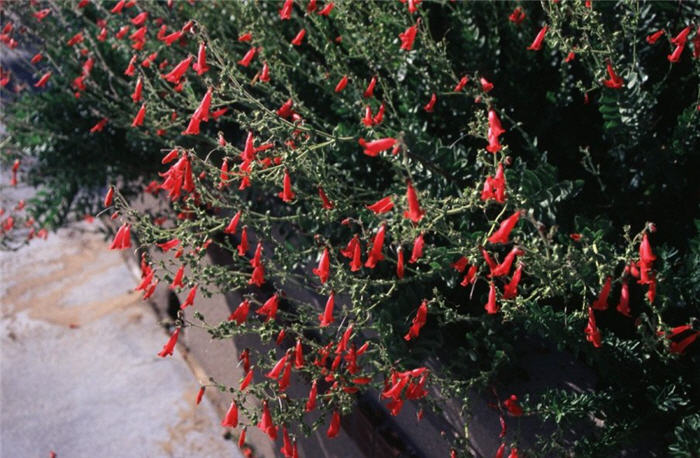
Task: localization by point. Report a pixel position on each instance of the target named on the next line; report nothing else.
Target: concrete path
(79, 373)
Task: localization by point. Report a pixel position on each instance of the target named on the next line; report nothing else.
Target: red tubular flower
(243, 246)
(334, 427)
(491, 307)
(170, 345)
(150, 291)
(680, 39)
(356, 262)
(325, 202)
(537, 42)
(495, 188)
(200, 394)
(486, 85)
(285, 110)
(428, 107)
(375, 253)
(258, 276)
(37, 57)
(283, 382)
(461, 84)
(266, 424)
(369, 92)
(75, 39)
(517, 16)
(394, 391)
(286, 450)
(286, 194)
(676, 54)
(41, 14)
(269, 308)
(341, 84)
(286, 11)
(569, 57)
(592, 332)
(176, 74)
(139, 19)
(495, 123)
(367, 120)
(408, 36)
(679, 347)
(601, 303)
(170, 156)
(614, 81)
(136, 96)
(414, 213)
(513, 453)
(501, 235)
(231, 418)
(417, 251)
(495, 131)
(280, 337)
(418, 321)
(277, 369)
(246, 380)
(139, 36)
(122, 239)
(202, 111)
(646, 256)
(201, 66)
(265, 73)
(326, 11)
(381, 206)
(99, 126)
(511, 289)
(624, 305)
(241, 313)
(241, 438)
(138, 119)
(323, 267)
(654, 37)
(256, 260)
(375, 147)
(311, 402)
(108, 197)
(177, 279)
(350, 248)
(298, 355)
(299, 37)
(43, 80)
(460, 264)
(131, 68)
(487, 257)
(399, 263)
(248, 57)
(379, 116)
(504, 267)
(173, 37)
(190, 297)
(118, 7)
(511, 404)
(326, 318)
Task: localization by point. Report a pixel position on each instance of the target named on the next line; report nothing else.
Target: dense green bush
(594, 169)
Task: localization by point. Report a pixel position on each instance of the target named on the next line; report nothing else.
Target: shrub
(443, 235)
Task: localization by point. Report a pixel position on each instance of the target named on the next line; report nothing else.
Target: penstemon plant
(353, 154)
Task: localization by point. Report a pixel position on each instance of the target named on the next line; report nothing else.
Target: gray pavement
(79, 373)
